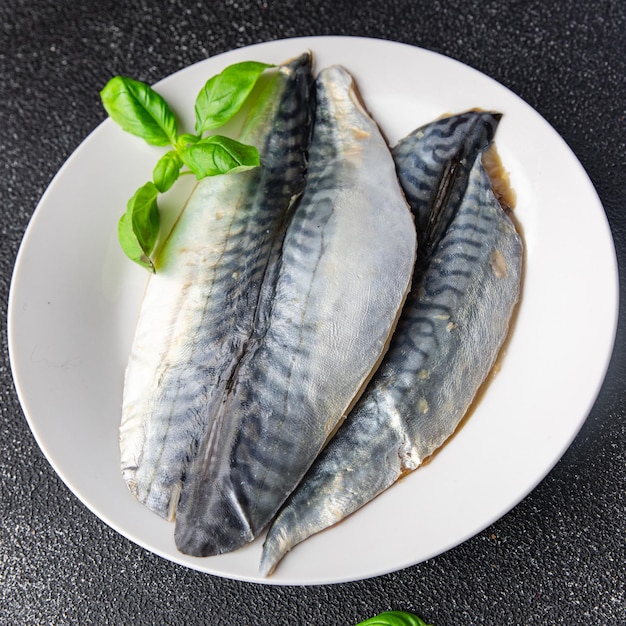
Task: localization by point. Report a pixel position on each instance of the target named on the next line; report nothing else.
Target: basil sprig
(394, 618)
(140, 110)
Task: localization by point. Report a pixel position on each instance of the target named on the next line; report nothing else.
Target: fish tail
(368, 457)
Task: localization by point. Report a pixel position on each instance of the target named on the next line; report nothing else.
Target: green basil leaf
(182, 141)
(144, 214)
(138, 228)
(223, 95)
(219, 155)
(139, 110)
(129, 244)
(167, 171)
(394, 618)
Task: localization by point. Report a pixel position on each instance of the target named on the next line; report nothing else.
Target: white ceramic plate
(74, 299)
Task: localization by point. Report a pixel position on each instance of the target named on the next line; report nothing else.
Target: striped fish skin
(347, 264)
(438, 156)
(451, 330)
(199, 309)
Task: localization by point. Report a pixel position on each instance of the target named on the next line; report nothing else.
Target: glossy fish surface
(346, 268)
(200, 308)
(433, 164)
(450, 332)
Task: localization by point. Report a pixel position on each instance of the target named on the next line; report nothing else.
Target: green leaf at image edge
(394, 618)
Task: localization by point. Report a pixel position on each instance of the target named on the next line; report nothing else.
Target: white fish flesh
(346, 268)
(450, 332)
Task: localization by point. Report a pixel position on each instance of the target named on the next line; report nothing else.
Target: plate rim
(23, 251)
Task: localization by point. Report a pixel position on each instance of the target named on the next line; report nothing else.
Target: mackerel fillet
(346, 268)
(450, 332)
(200, 309)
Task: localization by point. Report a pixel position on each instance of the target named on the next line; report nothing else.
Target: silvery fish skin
(347, 264)
(451, 330)
(433, 164)
(199, 309)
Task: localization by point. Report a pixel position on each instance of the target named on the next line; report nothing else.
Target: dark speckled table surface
(556, 558)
